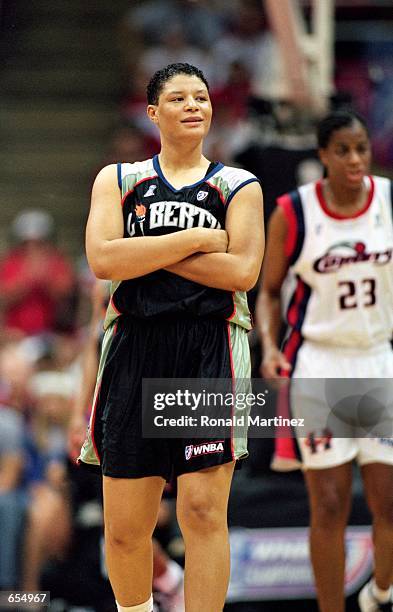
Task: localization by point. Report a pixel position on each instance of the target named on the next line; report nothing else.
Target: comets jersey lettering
(343, 267)
(152, 207)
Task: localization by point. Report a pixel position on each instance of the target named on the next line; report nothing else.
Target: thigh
(131, 504)
(206, 490)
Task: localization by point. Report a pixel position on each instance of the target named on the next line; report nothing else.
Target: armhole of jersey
(293, 210)
(119, 181)
(234, 192)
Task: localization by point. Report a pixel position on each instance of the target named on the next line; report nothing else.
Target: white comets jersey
(343, 267)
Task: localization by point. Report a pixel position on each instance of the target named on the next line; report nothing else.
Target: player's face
(348, 155)
(184, 109)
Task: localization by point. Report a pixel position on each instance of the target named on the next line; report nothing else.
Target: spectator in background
(15, 372)
(36, 280)
(250, 43)
(174, 47)
(48, 521)
(133, 107)
(202, 22)
(11, 499)
(230, 132)
(130, 142)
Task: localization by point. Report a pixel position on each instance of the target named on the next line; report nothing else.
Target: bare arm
(113, 257)
(238, 268)
(268, 305)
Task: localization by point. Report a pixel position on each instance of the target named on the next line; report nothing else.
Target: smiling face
(347, 155)
(183, 109)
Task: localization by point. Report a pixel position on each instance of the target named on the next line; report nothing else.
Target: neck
(338, 196)
(173, 157)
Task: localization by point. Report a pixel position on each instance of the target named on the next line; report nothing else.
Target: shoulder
(135, 172)
(136, 168)
(289, 217)
(293, 201)
(230, 180)
(382, 183)
(236, 176)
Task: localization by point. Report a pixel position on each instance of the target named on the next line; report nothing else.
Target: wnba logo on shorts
(196, 450)
(188, 452)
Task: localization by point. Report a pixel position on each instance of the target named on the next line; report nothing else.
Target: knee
(329, 512)
(202, 515)
(128, 536)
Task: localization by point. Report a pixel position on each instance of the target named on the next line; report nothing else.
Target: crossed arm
(237, 269)
(228, 259)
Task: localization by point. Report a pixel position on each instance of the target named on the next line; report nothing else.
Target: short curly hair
(159, 78)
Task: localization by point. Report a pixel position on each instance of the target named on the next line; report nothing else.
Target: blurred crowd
(46, 300)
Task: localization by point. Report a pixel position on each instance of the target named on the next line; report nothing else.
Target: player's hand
(76, 436)
(213, 240)
(274, 365)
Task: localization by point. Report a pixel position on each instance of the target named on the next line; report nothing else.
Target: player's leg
(202, 503)
(329, 493)
(168, 583)
(378, 485)
(130, 514)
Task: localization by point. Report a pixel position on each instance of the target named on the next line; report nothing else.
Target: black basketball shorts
(134, 349)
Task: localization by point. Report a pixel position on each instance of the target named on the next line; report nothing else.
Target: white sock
(170, 579)
(380, 595)
(143, 607)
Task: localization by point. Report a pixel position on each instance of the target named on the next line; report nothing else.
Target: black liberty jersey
(153, 207)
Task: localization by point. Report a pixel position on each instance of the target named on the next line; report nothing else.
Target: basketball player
(181, 238)
(340, 319)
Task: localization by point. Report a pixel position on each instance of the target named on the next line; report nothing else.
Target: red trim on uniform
(334, 215)
(218, 191)
(136, 185)
(284, 443)
(293, 312)
(233, 384)
(114, 307)
(234, 307)
(291, 347)
(285, 202)
(93, 420)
